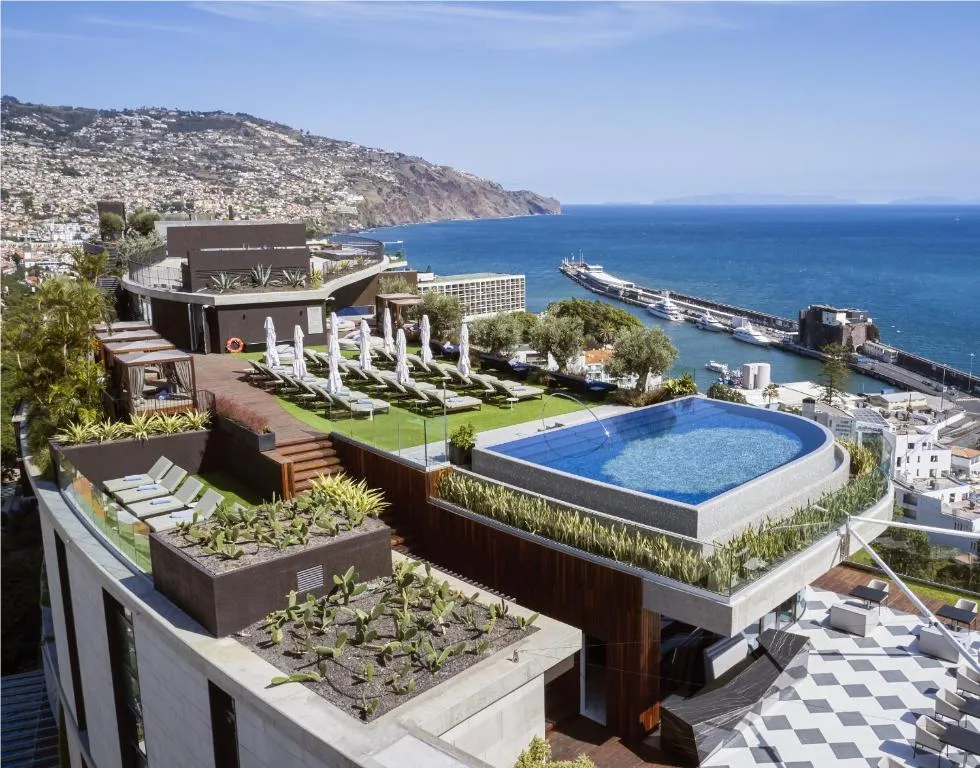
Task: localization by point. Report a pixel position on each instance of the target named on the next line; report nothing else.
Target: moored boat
(751, 335)
(708, 323)
(666, 309)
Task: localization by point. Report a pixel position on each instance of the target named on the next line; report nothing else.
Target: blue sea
(915, 269)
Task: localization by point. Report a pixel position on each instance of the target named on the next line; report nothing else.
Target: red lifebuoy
(234, 344)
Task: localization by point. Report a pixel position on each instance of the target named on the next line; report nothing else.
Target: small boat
(714, 365)
(708, 323)
(666, 309)
(751, 335)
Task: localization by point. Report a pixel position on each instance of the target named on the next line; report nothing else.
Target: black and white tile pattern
(858, 703)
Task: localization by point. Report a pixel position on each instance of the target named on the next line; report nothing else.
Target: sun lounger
(483, 387)
(354, 370)
(452, 402)
(179, 499)
(154, 475)
(520, 391)
(355, 405)
(167, 485)
(203, 509)
(385, 357)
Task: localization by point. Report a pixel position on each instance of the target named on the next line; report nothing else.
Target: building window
(224, 727)
(934, 459)
(66, 608)
(125, 682)
(898, 461)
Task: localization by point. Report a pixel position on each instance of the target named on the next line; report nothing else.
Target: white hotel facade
(482, 294)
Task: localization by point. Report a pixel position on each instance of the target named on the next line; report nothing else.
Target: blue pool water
(689, 450)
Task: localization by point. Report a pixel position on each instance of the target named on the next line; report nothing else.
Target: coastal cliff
(59, 160)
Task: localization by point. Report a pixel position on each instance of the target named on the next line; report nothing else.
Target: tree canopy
(445, 313)
(724, 392)
(833, 373)
(141, 221)
(639, 351)
(561, 337)
(601, 322)
(111, 226)
(498, 335)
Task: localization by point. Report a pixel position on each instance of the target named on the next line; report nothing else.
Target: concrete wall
(170, 321)
(248, 323)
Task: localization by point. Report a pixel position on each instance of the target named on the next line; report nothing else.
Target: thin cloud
(497, 25)
(149, 26)
(19, 33)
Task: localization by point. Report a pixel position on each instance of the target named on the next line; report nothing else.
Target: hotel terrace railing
(721, 568)
(125, 532)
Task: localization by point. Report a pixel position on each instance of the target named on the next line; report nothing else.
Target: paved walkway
(222, 374)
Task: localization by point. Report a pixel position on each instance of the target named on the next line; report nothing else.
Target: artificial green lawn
(926, 591)
(402, 428)
(232, 489)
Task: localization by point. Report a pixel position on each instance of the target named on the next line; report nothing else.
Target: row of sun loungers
(164, 496)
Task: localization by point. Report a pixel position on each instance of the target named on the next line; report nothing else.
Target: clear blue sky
(586, 102)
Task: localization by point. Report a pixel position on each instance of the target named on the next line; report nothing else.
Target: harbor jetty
(906, 370)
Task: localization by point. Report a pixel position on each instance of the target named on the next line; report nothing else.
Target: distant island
(750, 199)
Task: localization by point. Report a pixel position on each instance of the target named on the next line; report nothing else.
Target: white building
(482, 294)
(880, 352)
(917, 455)
(942, 503)
(966, 460)
(895, 401)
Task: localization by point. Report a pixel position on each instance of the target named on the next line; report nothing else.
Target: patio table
(961, 738)
(958, 615)
(869, 594)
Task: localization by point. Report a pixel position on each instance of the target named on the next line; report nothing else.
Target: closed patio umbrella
(401, 358)
(271, 353)
(425, 334)
(463, 366)
(299, 363)
(389, 340)
(334, 384)
(365, 346)
(334, 348)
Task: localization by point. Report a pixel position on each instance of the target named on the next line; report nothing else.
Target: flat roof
(964, 453)
(470, 276)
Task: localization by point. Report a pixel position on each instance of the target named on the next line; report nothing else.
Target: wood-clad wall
(604, 603)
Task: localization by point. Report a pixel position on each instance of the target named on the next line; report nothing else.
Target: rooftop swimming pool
(689, 451)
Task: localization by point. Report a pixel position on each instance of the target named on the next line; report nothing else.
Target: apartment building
(482, 294)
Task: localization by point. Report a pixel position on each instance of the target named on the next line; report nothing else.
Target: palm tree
(770, 393)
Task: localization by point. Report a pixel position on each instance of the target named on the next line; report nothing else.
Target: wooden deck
(578, 735)
(843, 578)
(222, 374)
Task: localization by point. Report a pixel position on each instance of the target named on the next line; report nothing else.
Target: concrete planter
(257, 441)
(459, 455)
(228, 601)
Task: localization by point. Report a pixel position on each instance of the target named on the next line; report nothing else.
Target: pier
(909, 371)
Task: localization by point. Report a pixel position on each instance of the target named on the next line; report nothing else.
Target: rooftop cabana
(131, 335)
(398, 303)
(112, 349)
(160, 381)
(122, 325)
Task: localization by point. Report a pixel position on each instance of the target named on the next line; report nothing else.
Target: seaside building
(482, 294)
(965, 461)
(916, 453)
(822, 324)
(942, 503)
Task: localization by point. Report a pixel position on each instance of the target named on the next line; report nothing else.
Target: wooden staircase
(305, 459)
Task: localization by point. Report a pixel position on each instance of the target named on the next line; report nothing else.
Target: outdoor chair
(928, 735)
(351, 404)
(355, 371)
(452, 402)
(483, 387)
(179, 499)
(457, 377)
(153, 475)
(949, 705)
(254, 372)
(389, 376)
(520, 391)
(966, 605)
(967, 681)
(377, 381)
(878, 584)
(426, 369)
(167, 485)
(203, 509)
(385, 357)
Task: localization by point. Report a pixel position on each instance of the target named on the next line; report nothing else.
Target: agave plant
(261, 275)
(195, 420)
(112, 430)
(77, 432)
(222, 281)
(141, 425)
(294, 278)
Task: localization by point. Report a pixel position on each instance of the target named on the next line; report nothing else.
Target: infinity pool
(689, 450)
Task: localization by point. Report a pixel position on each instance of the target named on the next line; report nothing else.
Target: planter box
(261, 442)
(460, 456)
(228, 601)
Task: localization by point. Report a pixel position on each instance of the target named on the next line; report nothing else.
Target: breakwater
(909, 371)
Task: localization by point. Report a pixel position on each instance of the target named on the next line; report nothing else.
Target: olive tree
(640, 351)
(726, 393)
(111, 226)
(561, 337)
(445, 313)
(498, 335)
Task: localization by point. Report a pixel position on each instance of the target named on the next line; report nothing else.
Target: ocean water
(915, 269)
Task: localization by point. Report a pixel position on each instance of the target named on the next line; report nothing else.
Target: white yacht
(751, 335)
(714, 365)
(708, 323)
(666, 309)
